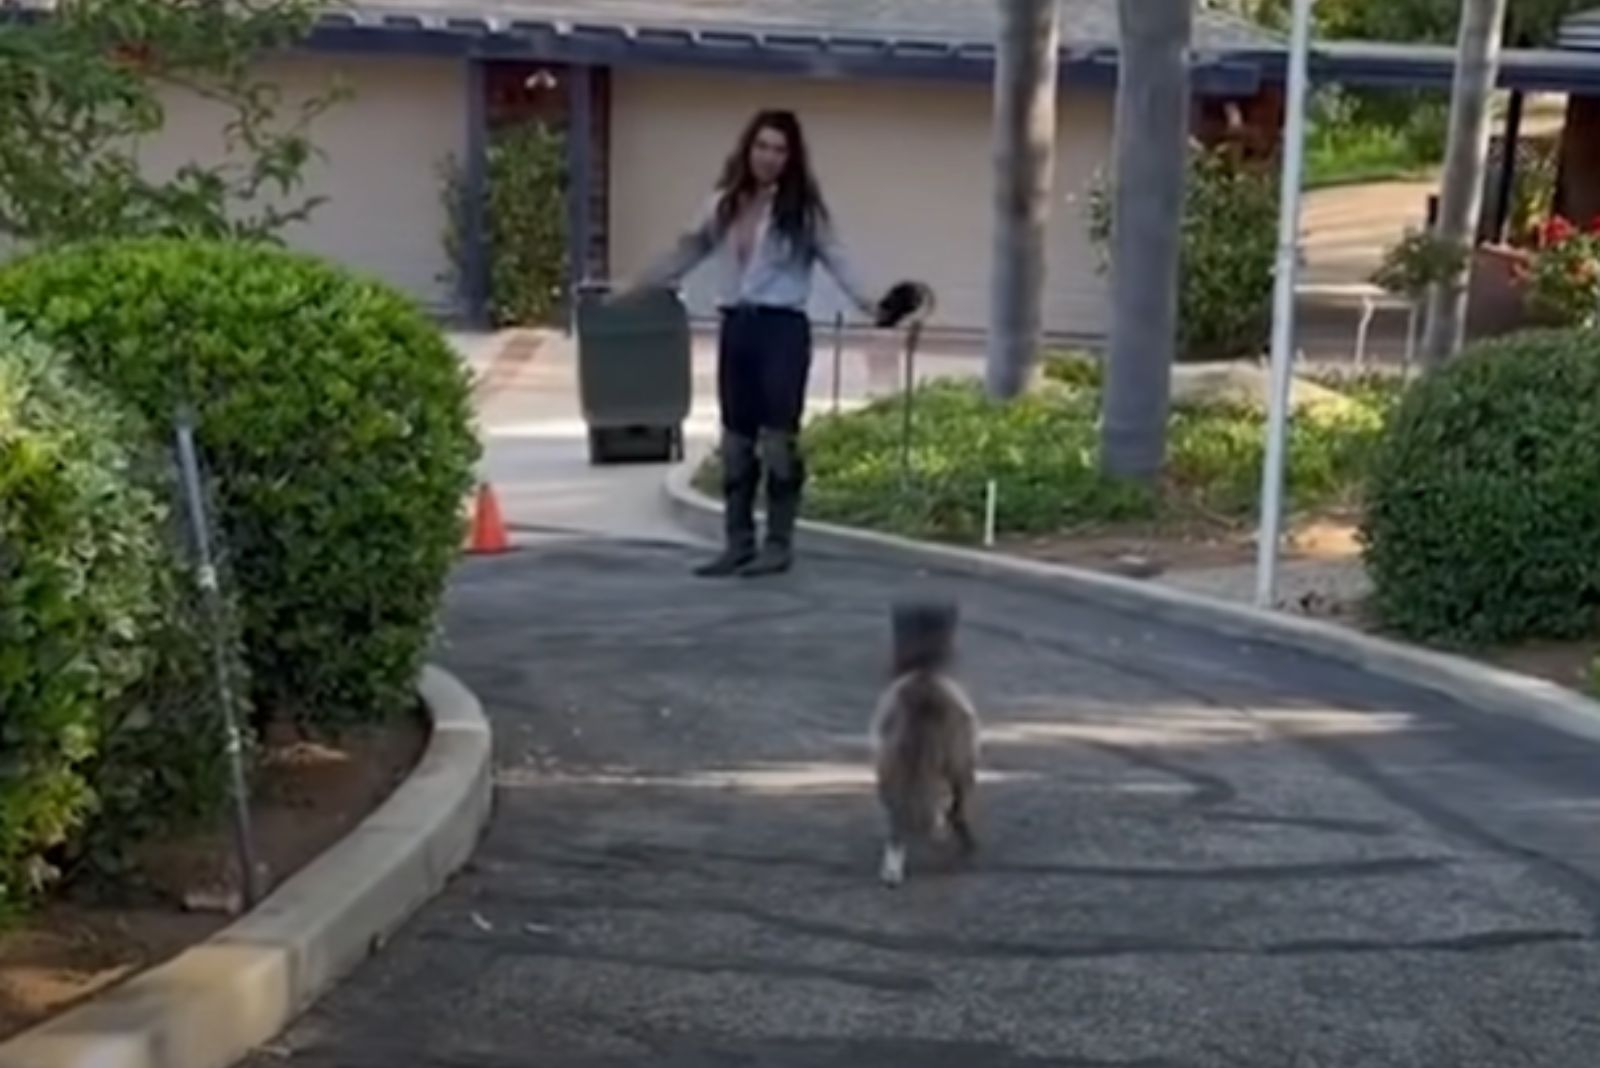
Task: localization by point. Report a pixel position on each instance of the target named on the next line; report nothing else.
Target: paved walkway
(1348, 229)
(1198, 854)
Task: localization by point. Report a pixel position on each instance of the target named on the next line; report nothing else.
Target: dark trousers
(763, 365)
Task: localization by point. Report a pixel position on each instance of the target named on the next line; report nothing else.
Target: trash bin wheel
(599, 447)
(635, 444)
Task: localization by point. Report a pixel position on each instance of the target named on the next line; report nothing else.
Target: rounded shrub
(1483, 520)
(1229, 241)
(335, 421)
(83, 570)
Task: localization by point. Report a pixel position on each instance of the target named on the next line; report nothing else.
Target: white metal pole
(1272, 475)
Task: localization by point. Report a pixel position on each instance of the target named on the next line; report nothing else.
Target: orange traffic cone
(488, 526)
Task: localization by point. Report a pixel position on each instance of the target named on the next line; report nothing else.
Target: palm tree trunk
(1466, 161)
(1024, 160)
(1152, 142)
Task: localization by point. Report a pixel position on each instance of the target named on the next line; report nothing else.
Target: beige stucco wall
(905, 166)
(380, 173)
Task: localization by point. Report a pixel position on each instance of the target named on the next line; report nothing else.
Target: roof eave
(774, 52)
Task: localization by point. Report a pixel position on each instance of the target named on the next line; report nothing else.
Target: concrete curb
(214, 1004)
(1484, 688)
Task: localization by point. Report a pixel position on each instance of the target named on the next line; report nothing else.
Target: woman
(764, 230)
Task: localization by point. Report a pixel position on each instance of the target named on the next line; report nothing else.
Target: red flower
(1557, 231)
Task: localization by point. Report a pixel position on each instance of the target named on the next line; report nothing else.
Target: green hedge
(526, 216)
(336, 420)
(1483, 520)
(83, 575)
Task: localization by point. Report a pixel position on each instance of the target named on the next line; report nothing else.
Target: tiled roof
(1084, 23)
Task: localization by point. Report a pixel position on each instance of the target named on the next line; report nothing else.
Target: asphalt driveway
(1196, 852)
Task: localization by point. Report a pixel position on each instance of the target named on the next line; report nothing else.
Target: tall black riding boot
(741, 481)
(786, 475)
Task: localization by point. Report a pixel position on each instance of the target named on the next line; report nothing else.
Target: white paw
(893, 872)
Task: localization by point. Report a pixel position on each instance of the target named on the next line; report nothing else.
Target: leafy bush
(1374, 135)
(1042, 448)
(1229, 243)
(1417, 263)
(1529, 23)
(335, 419)
(1216, 453)
(526, 216)
(163, 765)
(1533, 195)
(1483, 521)
(1043, 451)
(86, 88)
(1377, 391)
(1078, 369)
(82, 575)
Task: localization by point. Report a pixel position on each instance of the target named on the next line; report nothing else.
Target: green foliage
(1041, 448)
(1366, 136)
(1378, 391)
(1537, 23)
(1081, 370)
(1274, 15)
(526, 215)
(163, 766)
(81, 89)
(1417, 263)
(1529, 23)
(1533, 195)
(1043, 452)
(336, 420)
(1217, 452)
(1483, 521)
(1391, 20)
(1229, 244)
(82, 575)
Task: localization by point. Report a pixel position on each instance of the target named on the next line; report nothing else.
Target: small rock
(1133, 565)
(214, 899)
(481, 923)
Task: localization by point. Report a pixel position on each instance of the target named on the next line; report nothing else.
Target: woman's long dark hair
(798, 208)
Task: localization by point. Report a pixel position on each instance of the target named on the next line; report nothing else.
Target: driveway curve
(1197, 853)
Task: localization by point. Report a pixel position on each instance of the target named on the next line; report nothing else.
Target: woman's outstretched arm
(832, 255)
(692, 248)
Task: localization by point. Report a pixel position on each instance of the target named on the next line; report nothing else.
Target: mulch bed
(308, 797)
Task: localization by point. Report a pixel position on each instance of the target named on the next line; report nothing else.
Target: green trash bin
(634, 375)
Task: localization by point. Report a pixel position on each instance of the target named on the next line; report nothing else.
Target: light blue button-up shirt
(775, 276)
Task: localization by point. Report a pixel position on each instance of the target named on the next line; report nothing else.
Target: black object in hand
(903, 300)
